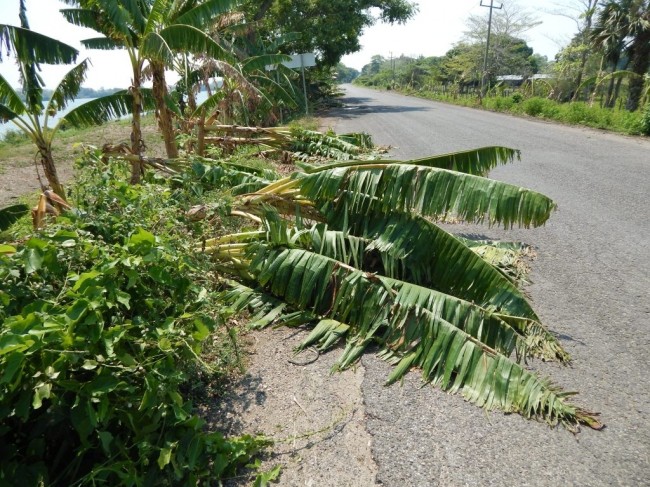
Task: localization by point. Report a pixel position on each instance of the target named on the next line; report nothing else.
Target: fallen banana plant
(352, 248)
(123, 151)
(49, 203)
(305, 144)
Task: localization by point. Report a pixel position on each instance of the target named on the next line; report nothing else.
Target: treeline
(606, 62)
(460, 66)
(86, 92)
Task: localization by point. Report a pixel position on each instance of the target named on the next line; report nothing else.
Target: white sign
(304, 60)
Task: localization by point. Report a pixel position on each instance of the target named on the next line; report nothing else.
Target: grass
(574, 113)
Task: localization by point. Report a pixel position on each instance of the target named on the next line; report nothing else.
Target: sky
(440, 24)
(434, 30)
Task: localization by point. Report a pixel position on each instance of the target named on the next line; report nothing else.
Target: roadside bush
(534, 106)
(645, 120)
(499, 103)
(579, 113)
(102, 329)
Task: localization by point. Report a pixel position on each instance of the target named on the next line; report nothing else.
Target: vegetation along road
(591, 285)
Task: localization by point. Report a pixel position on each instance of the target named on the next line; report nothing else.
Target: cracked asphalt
(591, 286)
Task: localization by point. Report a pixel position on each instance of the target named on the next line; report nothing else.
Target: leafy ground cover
(105, 315)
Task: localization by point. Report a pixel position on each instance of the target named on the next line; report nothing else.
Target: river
(52, 121)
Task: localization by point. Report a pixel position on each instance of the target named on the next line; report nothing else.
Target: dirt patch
(315, 418)
(18, 170)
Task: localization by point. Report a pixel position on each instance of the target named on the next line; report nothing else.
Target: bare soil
(20, 168)
(316, 418)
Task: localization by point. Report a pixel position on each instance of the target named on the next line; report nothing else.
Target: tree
(509, 24)
(464, 62)
(31, 115)
(345, 74)
(330, 27)
(623, 26)
(582, 13)
(151, 31)
(512, 21)
(351, 248)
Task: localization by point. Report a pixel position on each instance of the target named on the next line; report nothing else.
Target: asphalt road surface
(591, 286)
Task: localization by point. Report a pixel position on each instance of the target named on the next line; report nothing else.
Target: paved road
(591, 286)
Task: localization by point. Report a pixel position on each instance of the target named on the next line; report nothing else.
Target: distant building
(514, 78)
(510, 79)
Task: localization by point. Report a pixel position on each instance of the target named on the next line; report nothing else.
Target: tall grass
(574, 113)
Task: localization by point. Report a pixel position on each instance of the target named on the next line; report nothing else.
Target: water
(52, 121)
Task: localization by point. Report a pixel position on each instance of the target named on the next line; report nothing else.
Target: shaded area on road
(354, 107)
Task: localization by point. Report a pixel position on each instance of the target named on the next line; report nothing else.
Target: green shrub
(101, 334)
(534, 106)
(579, 113)
(644, 123)
(499, 103)
(14, 137)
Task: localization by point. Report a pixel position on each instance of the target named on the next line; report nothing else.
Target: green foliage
(377, 269)
(309, 143)
(345, 74)
(645, 120)
(10, 214)
(14, 137)
(346, 20)
(101, 341)
(535, 106)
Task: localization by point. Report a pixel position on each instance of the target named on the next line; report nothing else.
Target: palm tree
(31, 115)
(151, 31)
(352, 248)
(609, 39)
(623, 26)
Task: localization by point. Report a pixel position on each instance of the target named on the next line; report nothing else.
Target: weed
(105, 318)
(644, 125)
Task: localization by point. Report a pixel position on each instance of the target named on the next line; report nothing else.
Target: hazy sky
(436, 28)
(440, 24)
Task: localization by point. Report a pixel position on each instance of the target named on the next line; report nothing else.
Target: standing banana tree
(31, 114)
(353, 248)
(151, 31)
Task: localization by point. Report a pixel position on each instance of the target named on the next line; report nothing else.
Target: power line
(487, 44)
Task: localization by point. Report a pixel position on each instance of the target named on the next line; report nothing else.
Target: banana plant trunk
(47, 162)
(137, 144)
(163, 113)
(609, 99)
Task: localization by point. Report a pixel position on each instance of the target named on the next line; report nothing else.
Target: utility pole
(392, 68)
(487, 44)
